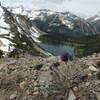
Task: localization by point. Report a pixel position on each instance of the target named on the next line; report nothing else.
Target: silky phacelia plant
(54, 65)
(64, 56)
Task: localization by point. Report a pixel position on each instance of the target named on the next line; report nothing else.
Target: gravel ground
(23, 78)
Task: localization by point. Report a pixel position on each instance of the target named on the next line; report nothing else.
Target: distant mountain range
(62, 22)
(45, 23)
(66, 24)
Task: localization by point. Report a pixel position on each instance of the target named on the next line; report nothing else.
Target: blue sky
(85, 8)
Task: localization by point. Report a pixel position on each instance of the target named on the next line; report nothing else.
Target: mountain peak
(36, 23)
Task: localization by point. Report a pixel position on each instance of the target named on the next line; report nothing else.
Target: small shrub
(66, 78)
(61, 82)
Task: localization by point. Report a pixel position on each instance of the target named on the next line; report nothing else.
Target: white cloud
(83, 7)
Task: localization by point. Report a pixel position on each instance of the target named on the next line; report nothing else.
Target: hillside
(30, 78)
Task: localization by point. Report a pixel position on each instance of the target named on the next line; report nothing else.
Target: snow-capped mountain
(18, 22)
(95, 21)
(94, 18)
(65, 24)
(17, 30)
(4, 29)
(32, 15)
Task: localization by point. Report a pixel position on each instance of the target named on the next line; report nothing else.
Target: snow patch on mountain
(4, 30)
(94, 18)
(97, 18)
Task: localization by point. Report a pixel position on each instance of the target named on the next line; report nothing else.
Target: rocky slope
(29, 77)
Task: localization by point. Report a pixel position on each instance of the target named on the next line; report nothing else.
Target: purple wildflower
(64, 56)
(56, 64)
